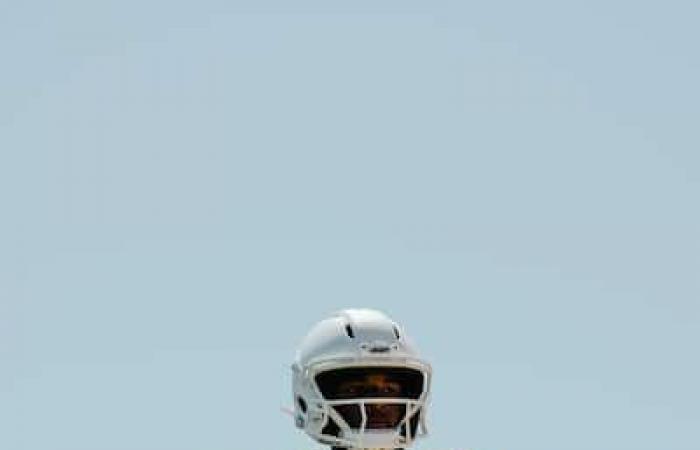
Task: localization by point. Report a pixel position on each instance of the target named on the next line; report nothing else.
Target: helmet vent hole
(348, 330)
(302, 404)
(396, 332)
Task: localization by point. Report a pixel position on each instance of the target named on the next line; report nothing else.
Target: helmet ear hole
(302, 404)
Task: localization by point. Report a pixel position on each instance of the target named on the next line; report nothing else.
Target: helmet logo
(376, 347)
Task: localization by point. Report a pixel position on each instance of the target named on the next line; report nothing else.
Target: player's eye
(351, 390)
(391, 389)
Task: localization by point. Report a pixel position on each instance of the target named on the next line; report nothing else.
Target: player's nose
(379, 409)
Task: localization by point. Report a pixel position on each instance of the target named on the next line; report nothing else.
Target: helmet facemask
(372, 407)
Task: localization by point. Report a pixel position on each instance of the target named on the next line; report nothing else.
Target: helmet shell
(355, 338)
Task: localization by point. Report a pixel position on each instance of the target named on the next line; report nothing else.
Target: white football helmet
(358, 383)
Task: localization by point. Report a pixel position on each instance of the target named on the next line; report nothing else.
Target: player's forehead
(377, 378)
(370, 378)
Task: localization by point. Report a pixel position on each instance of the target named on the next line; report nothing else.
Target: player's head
(358, 382)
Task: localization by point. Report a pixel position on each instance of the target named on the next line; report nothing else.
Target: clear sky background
(186, 187)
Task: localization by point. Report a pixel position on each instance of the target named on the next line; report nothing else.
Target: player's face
(373, 386)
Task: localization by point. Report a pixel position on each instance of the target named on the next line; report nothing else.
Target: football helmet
(359, 383)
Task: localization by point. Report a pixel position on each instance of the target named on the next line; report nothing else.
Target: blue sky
(186, 187)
